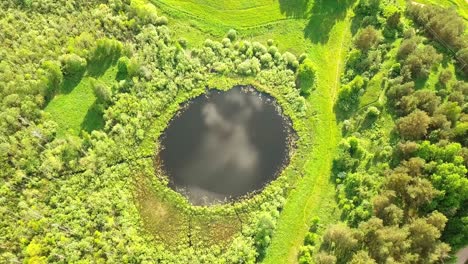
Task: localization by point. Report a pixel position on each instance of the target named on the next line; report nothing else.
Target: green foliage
(53, 78)
(403, 207)
(232, 34)
(367, 38)
(307, 77)
(263, 233)
(123, 67)
(368, 7)
(400, 206)
(72, 64)
(102, 92)
(348, 98)
(414, 125)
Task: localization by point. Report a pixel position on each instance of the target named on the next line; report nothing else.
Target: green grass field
(73, 109)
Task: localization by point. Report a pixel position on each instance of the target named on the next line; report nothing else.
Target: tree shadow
(94, 119)
(420, 82)
(71, 81)
(294, 8)
(367, 123)
(323, 16)
(98, 66)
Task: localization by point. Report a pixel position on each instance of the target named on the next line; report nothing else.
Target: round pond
(225, 144)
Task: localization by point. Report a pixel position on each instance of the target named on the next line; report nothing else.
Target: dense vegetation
(400, 171)
(87, 87)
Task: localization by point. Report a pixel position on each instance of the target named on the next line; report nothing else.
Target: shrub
(183, 42)
(270, 42)
(232, 34)
(102, 92)
(290, 59)
(72, 64)
(348, 97)
(249, 67)
(53, 78)
(122, 66)
(161, 21)
(373, 112)
(367, 38)
(307, 77)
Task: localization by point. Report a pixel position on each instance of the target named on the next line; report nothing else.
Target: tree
(361, 257)
(462, 58)
(451, 110)
(423, 237)
(324, 258)
(367, 38)
(393, 15)
(426, 100)
(445, 76)
(444, 24)
(263, 232)
(102, 92)
(368, 7)
(232, 34)
(348, 97)
(307, 77)
(414, 125)
(53, 78)
(450, 179)
(407, 47)
(419, 63)
(73, 64)
(340, 240)
(122, 66)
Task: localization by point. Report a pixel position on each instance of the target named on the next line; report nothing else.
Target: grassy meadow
(74, 108)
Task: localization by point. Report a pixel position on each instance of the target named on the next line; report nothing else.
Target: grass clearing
(254, 20)
(74, 108)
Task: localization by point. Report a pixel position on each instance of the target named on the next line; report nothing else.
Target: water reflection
(225, 144)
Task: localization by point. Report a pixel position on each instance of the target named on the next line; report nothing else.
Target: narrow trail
(314, 194)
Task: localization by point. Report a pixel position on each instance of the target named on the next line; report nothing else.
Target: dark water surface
(223, 145)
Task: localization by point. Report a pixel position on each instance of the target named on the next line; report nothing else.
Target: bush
(307, 77)
(183, 42)
(290, 59)
(373, 112)
(161, 21)
(102, 92)
(368, 7)
(53, 78)
(348, 97)
(249, 67)
(263, 232)
(232, 34)
(367, 38)
(122, 66)
(72, 64)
